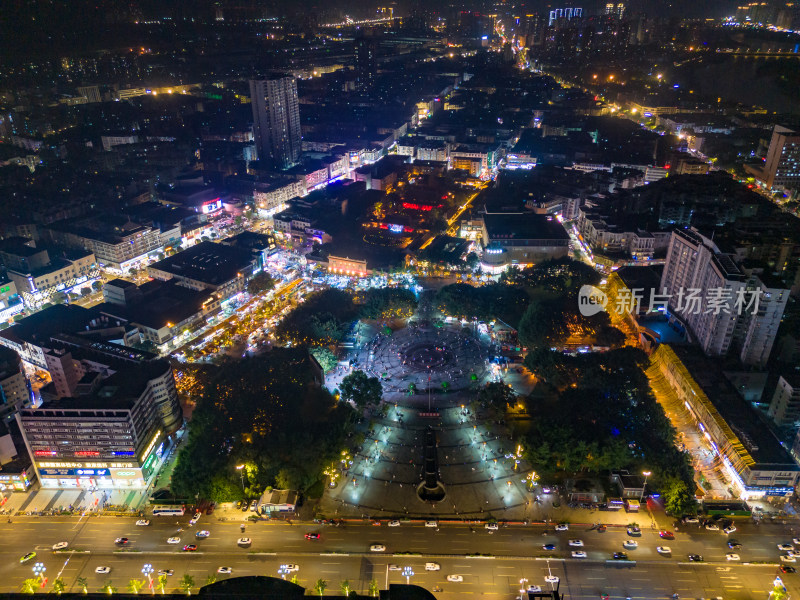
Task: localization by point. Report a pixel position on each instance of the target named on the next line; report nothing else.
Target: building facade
(276, 120)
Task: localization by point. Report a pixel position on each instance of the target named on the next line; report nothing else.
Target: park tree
(187, 583)
(386, 303)
(320, 586)
(497, 394)
(262, 282)
(325, 358)
(678, 499)
(97, 285)
(361, 389)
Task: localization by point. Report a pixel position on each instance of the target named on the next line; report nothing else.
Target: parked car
(712, 527)
(785, 547)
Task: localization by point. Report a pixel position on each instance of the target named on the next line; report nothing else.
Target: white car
(202, 534)
(785, 547)
(291, 567)
(694, 520)
(174, 540)
(225, 570)
(787, 558)
(195, 518)
(244, 541)
(102, 570)
(377, 548)
(712, 527)
(664, 550)
(578, 554)
(394, 523)
(432, 566)
(796, 541)
(455, 578)
(630, 544)
(732, 556)
(143, 522)
(534, 588)
(552, 579)
(60, 545)
(562, 527)
(729, 529)
(576, 543)
(492, 526)
(393, 567)
(431, 523)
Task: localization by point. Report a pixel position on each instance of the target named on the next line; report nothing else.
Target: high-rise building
(366, 52)
(782, 167)
(784, 408)
(615, 9)
(721, 307)
(276, 120)
(14, 392)
(564, 13)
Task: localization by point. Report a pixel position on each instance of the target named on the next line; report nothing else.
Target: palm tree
(134, 585)
(373, 588)
(211, 579)
(162, 583)
(29, 585)
(108, 588)
(83, 584)
(187, 583)
(345, 587)
(320, 586)
(294, 579)
(59, 585)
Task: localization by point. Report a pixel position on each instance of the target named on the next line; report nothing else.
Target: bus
(167, 510)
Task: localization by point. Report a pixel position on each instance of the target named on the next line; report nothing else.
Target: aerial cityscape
(406, 300)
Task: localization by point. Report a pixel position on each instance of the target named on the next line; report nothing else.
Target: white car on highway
(788, 559)
(712, 527)
(431, 523)
(394, 567)
(202, 534)
(377, 548)
(492, 526)
(225, 570)
(102, 570)
(432, 566)
(291, 567)
(60, 545)
(143, 522)
(562, 527)
(729, 529)
(785, 547)
(664, 550)
(732, 556)
(552, 579)
(244, 541)
(576, 543)
(394, 523)
(174, 540)
(455, 578)
(796, 541)
(578, 554)
(630, 544)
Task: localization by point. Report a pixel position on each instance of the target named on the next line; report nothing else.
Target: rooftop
(523, 226)
(207, 262)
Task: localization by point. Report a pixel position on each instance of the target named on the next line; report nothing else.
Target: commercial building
(754, 460)
(110, 435)
(116, 241)
(276, 120)
(721, 306)
(209, 266)
(784, 408)
(782, 167)
(10, 301)
(347, 266)
(521, 239)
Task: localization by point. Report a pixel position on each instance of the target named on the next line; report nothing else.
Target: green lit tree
(82, 583)
(320, 586)
(211, 579)
(59, 586)
(108, 587)
(161, 583)
(30, 585)
(134, 585)
(345, 587)
(361, 389)
(187, 583)
(374, 590)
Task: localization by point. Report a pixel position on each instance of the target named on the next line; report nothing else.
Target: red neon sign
(414, 206)
(87, 453)
(45, 453)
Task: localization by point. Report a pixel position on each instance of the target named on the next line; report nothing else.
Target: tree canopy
(262, 282)
(484, 302)
(319, 321)
(557, 275)
(267, 413)
(386, 303)
(361, 389)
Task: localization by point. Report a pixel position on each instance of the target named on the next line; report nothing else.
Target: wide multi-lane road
(343, 553)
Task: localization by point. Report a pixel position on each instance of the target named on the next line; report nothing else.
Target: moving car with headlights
(103, 570)
(578, 554)
(244, 541)
(174, 540)
(143, 522)
(377, 548)
(225, 570)
(60, 545)
(455, 578)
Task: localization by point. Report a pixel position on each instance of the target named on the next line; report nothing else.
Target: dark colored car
(695, 558)
(190, 548)
(788, 569)
(620, 556)
(121, 541)
(734, 545)
(602, 528)
(313, 536)
(549, 547)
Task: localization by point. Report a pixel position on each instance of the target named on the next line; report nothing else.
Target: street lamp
(38, 570)
(147, 571)
(522, 586)
(240, 468)
(408, 574)
(283, 570)
(646, 475)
